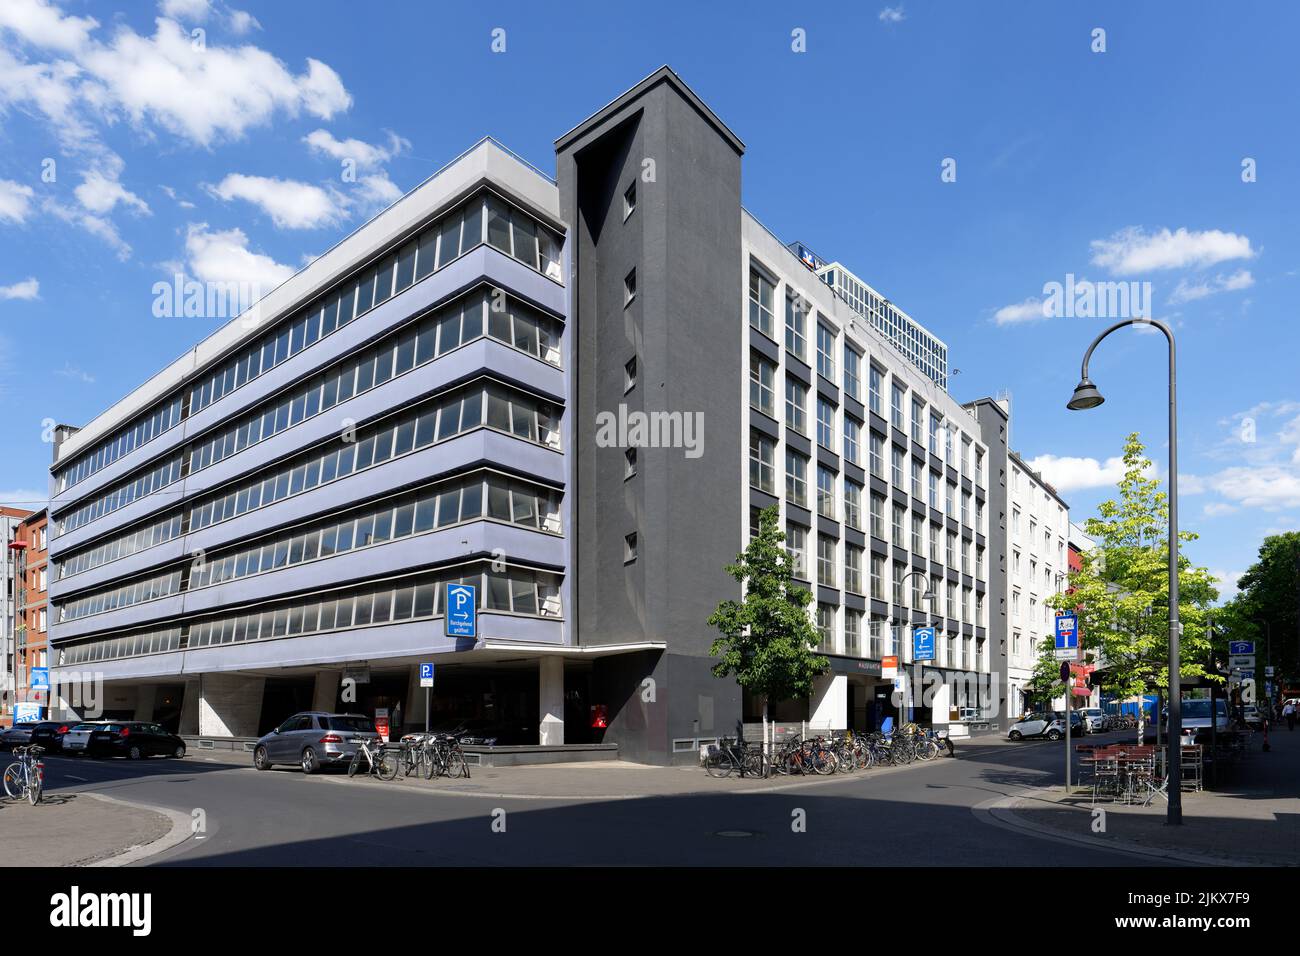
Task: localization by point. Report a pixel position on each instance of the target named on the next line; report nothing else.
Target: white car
(1051, 726)
(1096, 718)
(1195, 716)
(77, 740)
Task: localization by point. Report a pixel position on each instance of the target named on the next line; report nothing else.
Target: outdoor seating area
(1135, 774)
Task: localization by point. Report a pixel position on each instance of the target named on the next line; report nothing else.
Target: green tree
(768, 639)
(1266, 608)
(1045, 684)
(1122, 590)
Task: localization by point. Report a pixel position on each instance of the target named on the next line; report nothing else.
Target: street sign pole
(1065, 677)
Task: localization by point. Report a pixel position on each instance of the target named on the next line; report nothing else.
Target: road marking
(82, 779)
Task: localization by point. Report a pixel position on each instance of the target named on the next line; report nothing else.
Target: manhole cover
(735, 833)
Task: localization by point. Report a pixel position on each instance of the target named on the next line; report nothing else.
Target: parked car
(314, 739)
(1195, 716)
(19, 735)
(49, 734)
(117, 738)
(481, 732)
(1252, 715)
(1051, 726)
(1096, 718)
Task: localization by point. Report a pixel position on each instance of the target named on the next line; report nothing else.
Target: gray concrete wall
(993, 429)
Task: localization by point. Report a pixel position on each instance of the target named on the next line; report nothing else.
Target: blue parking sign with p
(461, 605)
(923, 644)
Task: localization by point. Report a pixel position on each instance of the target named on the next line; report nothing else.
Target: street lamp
(928, 598)
(1086, 396)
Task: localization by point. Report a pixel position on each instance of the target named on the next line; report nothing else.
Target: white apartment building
(1038, 535)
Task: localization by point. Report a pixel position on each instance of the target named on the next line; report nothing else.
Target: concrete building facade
(576, 394)
(9, 585)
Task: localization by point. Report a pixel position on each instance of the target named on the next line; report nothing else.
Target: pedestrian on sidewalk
(1289, 713)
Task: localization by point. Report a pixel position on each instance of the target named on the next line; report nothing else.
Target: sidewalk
(1252, 818)
(77, 830)
(612, 780)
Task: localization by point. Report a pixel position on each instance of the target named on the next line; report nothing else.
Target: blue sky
(222, 157)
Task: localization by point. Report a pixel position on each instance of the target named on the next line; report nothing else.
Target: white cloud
(241, 22)
(1030, 310)
(365, 156)
(15, 201)
(290, 204)
(26, 290)
(1259, 486)
(1202, 288)
(206, 95)
(76, 374)
(46, 26)
(1227, 582)
(893, 14)
(1067, 473)
(1133, 250)
(225, 257)
(191, 11)
(95, 225)
(99, 193)
(1217, 508)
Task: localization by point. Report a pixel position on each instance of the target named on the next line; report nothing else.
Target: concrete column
(940, 705)
(230, 705)
(550, 697)
(829, 709)
(326, 693)
(189, 722)
(144, 701)
(413, 706)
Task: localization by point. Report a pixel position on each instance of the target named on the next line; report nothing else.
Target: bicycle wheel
(719, 764)
(35, 784)
(456, 765)
(428, 766)
(387, 765)
(14, 781)
(755, 765)
(354, 764)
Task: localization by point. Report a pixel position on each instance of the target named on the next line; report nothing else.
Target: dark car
(18, 735)
(132, 739)
(314, 739)
(481, 732)
(49, 734)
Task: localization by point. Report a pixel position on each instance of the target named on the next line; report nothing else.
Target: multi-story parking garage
(575, 394)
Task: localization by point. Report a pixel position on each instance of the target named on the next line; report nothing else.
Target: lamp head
(1085, 396)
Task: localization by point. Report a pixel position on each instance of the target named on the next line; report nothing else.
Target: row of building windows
(515, 590)
(882, 638)
(446, 329)
(945, 438)
(478, 405)
(482, 495)
(482, 219)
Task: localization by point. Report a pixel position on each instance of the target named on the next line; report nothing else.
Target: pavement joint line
(1000, 812)
(181, 830)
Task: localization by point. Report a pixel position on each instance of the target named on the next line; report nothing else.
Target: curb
(1000, 812)
(180, 832)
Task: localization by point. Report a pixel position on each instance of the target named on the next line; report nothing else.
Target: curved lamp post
(1086, 396)
(928, 598)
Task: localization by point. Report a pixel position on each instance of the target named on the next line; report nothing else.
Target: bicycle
(380, 762)
(26, 775)
(735, 756)
(445, 757)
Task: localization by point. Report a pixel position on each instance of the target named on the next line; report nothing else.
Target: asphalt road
(913, 816)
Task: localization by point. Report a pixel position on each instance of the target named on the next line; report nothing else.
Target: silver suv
(314, 739)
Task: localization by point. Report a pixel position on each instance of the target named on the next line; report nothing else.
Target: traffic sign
(426, 675)
(1067, 636)
(40, 678)
(923, 644)
(1241, 647)
(1245, 661)
(461, 605)
(889, 667)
